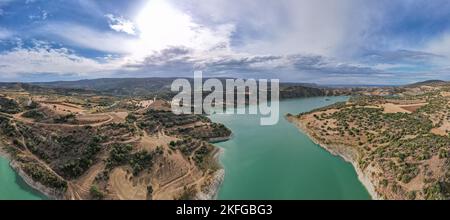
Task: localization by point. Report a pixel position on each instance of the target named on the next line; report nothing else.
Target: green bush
(96, 193)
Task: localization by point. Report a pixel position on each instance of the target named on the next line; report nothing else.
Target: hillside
(399, 145)
(427, 83)
(103, 147)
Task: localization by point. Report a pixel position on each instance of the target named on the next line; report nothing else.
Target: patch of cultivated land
(108, 148)
(400, 148)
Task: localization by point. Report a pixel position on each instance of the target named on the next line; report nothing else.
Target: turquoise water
(12, 187)
(280, 162)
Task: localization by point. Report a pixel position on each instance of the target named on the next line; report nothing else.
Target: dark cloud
(165, 57)
(237, 63)
(399, 56)
(183, 62)
(323, 66)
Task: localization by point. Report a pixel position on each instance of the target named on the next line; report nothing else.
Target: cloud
(289, 26)
(84, 37)
(43, 15)
(120, 24)
(400, 56)
(318, 65)
(183, 62)
(295, 40)
(42, 58)
(157, 27)
(4, 33)
(440, 44)
(161, 25)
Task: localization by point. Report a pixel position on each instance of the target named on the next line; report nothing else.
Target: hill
(428, 83)
(161, 87)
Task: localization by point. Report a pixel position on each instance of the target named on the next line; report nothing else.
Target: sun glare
(160, 25)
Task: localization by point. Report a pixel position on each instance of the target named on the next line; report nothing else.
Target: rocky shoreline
(211, 192)
(47, 192)
(345, 152)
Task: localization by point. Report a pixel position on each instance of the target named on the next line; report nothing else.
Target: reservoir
(281, 163)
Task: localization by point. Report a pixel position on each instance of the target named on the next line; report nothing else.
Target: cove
(280, 162)
(12, 187)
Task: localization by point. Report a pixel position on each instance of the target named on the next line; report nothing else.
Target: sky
(311, 41)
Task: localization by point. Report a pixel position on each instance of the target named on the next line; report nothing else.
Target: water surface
(280, 162)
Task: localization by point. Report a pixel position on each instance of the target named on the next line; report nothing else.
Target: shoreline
(211, 191)
(49, 193)
(4, 154)
(15, 166)
(344, 152)
(220, 139)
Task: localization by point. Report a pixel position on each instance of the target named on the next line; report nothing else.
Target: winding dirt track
(20, 118)
(171, 183)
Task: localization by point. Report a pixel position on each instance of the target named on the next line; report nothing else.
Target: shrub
(96, 193)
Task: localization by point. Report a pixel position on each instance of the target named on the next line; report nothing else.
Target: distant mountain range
(161, 87)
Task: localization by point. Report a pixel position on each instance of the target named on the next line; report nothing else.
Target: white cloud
(85, 37)
(120, 24)
(4, 33)
(44, 15)
(322, 27)
(44, 59)
(161, 26)
(439, 45)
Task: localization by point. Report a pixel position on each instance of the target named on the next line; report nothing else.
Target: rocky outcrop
(211, 190)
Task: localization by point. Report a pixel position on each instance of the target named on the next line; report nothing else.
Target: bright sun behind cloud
(161, 26)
